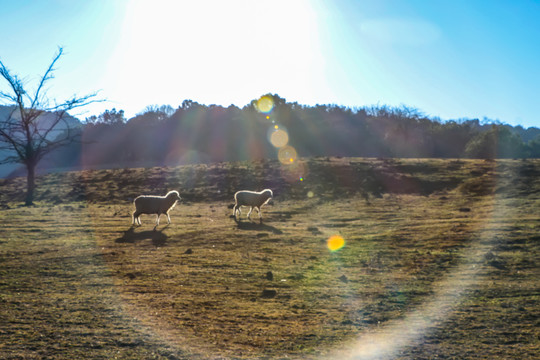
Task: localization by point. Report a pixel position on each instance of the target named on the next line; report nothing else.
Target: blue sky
(450, 59)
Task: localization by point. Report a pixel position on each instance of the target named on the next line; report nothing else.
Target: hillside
(326, 177)
(355, 258)
(45, 122)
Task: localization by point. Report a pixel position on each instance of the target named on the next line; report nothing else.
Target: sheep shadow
(244, 225)
(130, 236)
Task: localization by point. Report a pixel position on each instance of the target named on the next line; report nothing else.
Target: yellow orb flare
(335, 242)
(287, 155)
(279, 138)
(265, 104)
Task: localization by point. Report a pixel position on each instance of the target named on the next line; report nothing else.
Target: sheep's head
(174, 195)
(268, 194)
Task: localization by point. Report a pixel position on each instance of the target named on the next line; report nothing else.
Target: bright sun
(218, 52)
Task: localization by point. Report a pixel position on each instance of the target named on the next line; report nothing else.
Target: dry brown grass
(438, 262)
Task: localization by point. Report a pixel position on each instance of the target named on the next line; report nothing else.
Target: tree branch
(47, 76)
(14, 82)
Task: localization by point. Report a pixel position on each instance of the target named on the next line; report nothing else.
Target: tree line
(197, 133)
(193, 133)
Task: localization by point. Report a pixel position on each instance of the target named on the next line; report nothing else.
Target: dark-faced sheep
(148, 204)
(253, 199)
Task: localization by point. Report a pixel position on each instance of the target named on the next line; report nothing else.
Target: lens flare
(265, 104)
(279, 138)
(287, 155)
(335, 242)
(292, 171)
(310, 194)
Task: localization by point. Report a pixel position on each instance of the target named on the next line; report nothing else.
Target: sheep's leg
(249, 213)
(135, 218)
(168, 218)
(237, 209)
(234, 210)
(260, 214)
(157, 219)
(259, 211)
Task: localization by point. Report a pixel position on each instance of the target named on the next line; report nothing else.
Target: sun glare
(222, 52)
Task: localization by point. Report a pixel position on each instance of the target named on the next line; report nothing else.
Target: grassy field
(440, 260)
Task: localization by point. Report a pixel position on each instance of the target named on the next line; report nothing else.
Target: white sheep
(148, 204)
(252, 199)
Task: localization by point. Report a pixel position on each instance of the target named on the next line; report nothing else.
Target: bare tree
(34, 126)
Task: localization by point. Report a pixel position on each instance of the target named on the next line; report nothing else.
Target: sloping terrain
(439, 261)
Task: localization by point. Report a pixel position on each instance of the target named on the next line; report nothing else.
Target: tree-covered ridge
(193, 132)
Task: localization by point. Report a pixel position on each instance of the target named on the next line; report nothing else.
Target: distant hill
(18, 169)
(526, 135)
